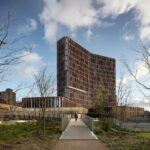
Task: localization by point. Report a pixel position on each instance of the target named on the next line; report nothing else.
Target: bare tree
(44, 83)
(144, 52)
(144, 57)
(9, 54)
(123, 98)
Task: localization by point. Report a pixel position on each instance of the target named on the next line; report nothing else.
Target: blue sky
(105, 27)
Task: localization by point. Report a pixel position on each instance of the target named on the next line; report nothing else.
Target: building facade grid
(79, 73)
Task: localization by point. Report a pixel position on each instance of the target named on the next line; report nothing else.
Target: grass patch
(117, 138)
(144, 135)
(29, 135)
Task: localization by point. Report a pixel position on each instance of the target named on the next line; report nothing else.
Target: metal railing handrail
(88, 121)
(65, 120)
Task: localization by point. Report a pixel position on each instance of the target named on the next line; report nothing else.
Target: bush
(106, 125)
(98, 130)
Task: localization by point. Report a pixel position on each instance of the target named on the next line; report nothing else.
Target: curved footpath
(77, 136)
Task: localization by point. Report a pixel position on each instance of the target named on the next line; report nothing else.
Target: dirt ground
(79, 145)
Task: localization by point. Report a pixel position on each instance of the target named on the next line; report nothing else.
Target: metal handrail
(65, 120)
(88, 121)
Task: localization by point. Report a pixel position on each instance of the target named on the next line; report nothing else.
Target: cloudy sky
(111, 28)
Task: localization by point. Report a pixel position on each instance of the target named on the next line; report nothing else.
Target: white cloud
(128, 37)
(89, 33)
(30, 57)
(75, 14)
(140, 69)
(29, 65)
(114, 8)
(71, 13)
(50, 29)
(143, 14)
(125, 80)
(145, 33)
(145, 103)
(141, 9)
(24, 71)
(29, 27)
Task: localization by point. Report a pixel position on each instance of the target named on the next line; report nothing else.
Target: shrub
(98, 130)
(106, 125)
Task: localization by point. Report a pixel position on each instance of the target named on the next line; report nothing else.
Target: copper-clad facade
(80, 73)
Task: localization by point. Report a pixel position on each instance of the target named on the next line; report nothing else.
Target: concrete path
(77, 136)
(77, 130)
(80, 145)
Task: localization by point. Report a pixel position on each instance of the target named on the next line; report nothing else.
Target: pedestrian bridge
(78, 135)
(80, 129)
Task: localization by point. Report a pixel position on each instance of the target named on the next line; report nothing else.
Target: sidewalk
(77, 130)
(80, 145)
(77, 136)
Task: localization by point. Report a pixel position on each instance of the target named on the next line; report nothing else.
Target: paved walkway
(77, 136)
(79, 145)
(77, 130)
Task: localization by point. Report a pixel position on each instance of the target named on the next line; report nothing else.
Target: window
(52, 103)
(66, 58)
(67, 83)
(66, 51)
(66, 63)
(57, 102)
(66, 94)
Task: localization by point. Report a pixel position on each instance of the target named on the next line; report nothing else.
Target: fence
(65, 120)
(36, 113)
(133, 125)
(140, 119)
(88, 121)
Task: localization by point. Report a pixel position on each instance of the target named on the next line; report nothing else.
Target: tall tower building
(80, 74)
(8, 97)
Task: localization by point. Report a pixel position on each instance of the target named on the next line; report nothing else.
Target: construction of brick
(79, 74)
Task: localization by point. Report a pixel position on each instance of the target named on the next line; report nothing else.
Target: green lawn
(29, 135)
(120, 139)
(144, 134)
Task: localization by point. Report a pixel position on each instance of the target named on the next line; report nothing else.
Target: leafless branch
(9, 54)
(123, 92)
(123, 97)
(145, 57)
(44, 83)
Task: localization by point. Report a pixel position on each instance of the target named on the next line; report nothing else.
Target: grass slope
(29, 136)
(117, 138)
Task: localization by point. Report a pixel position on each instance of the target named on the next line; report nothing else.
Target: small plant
(98, 130)
(106, 125)
(1, 120)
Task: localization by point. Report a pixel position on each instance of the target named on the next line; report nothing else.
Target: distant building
(48, 102)
(80, 73)
(8, 97)
(146, 114)
(126, 112)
